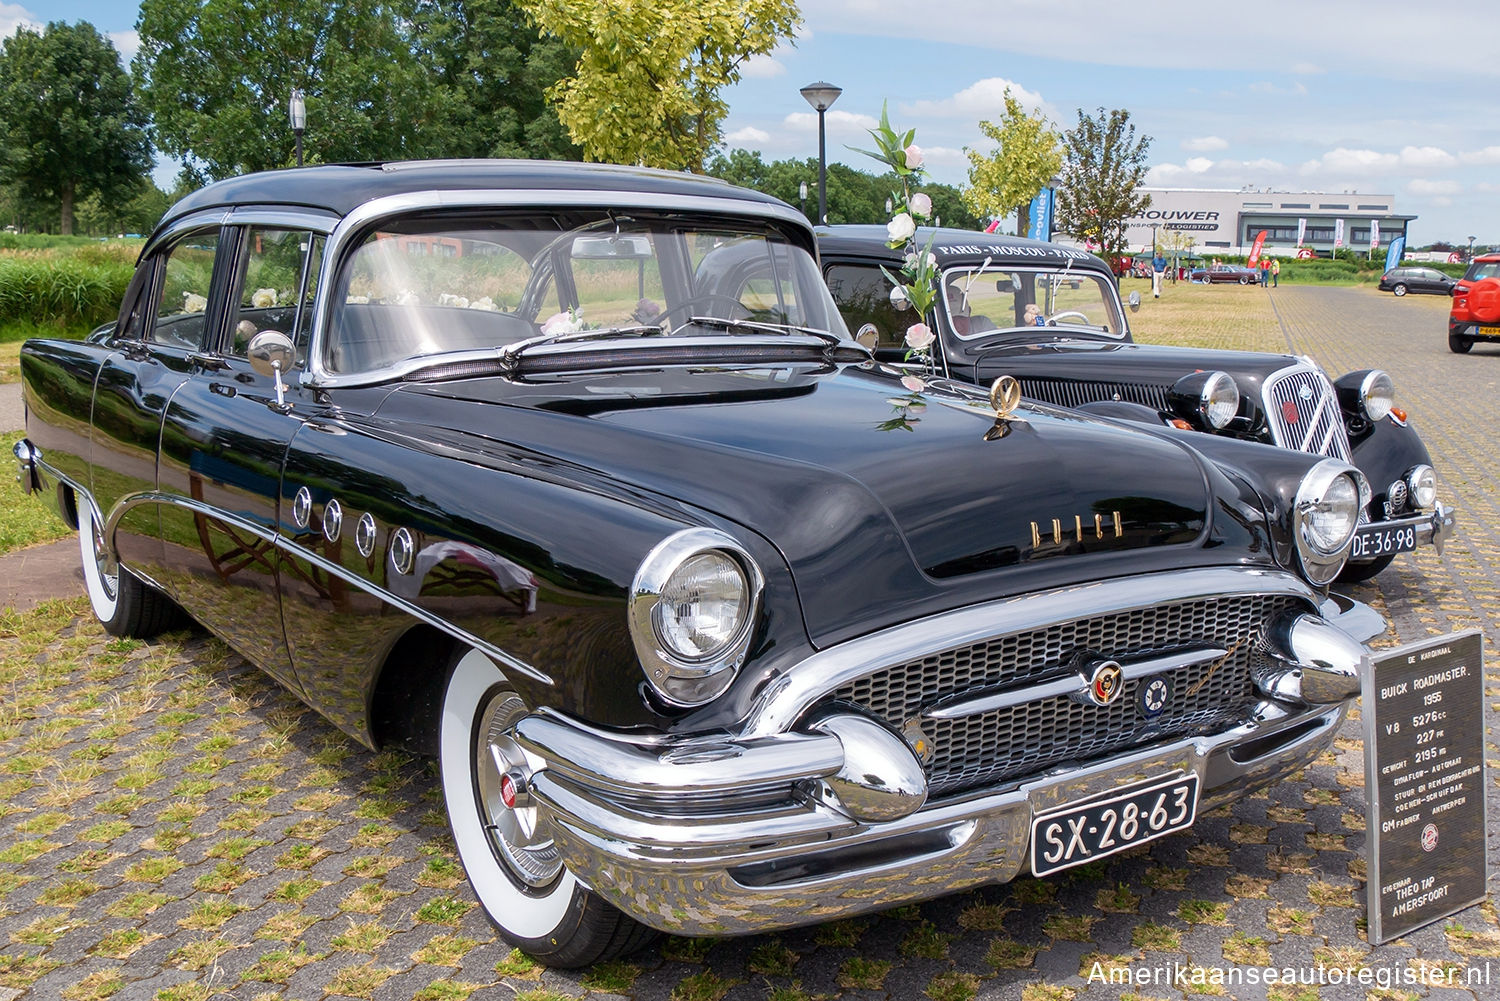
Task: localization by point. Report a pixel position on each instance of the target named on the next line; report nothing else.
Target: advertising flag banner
(1393, 255)
(1301, 230)
(1374, 233)
(1260, 240)
(1338, 233)
(1041, 216)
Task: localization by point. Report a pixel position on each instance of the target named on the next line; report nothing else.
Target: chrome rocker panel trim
(796, 863)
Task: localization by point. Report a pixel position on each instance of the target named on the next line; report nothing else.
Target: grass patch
(24, 520)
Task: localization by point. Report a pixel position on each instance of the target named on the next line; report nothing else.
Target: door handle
(211, 363)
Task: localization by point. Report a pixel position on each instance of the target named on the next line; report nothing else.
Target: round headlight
(702, 607)
(1422, 482)
(1377, 395)
(1325, 517)
(1220, 400)
(692, 612)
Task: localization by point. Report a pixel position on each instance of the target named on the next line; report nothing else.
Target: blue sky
(1374, 96)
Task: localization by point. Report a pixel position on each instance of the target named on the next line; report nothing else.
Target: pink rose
(912, 383)
(919, 337)
(913, 156)
(920, 205)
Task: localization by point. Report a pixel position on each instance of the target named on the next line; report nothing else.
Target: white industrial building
(1226, 222)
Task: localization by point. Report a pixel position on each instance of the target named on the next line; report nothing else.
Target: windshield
(419, 287)
(990, 299)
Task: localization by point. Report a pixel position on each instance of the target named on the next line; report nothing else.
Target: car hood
(1082, 360)
(881, 500)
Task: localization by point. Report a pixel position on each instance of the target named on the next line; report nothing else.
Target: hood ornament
(1005, 396)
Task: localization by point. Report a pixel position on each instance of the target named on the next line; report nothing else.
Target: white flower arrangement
(192, 302)
(264, 298)
(486, 304)
(446, 299)
(406, 297)
(570, 322)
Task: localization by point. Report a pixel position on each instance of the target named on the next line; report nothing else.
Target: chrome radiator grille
(1319, 424)
(1074, 394)
(1007, 743)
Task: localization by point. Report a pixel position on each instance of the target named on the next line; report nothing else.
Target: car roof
(953, 246)
(341, 188)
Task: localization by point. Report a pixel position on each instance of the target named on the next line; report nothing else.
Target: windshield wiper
(761, 327)
(510, 354)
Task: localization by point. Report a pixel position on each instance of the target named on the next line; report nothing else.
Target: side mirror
(272, 353)
(1135, 302)
(898, 299)
(868, 336)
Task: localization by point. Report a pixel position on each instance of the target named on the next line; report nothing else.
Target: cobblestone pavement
(174, 826)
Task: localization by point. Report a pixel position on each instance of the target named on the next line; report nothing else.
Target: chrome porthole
(333, 520)
(403, 551)
(364, 534)
(302, 507)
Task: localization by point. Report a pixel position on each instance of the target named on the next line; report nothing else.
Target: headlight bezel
(681, 680)
(1426, 476)
(1209, 399)
(1367, 394)
(1321, 562)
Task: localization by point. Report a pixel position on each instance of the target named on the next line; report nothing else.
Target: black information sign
(1423, 712)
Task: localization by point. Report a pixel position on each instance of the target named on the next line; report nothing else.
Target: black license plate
(1075, 835)
(1372, 541)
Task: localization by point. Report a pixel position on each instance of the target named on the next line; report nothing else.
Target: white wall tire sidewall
(522, 915)
(104, 605)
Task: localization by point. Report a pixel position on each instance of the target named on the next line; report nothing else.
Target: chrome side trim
(787, 697)
(506, 661)
(973, 705)
(316, 374)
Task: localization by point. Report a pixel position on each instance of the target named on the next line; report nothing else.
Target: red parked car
(1475, 315)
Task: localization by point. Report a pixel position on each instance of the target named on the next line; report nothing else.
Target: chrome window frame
(1111, 298)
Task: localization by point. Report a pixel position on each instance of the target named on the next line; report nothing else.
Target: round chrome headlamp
(1377, 395)
(692, 612)
(1324, 518)
(1422, 482)
(1208, 399)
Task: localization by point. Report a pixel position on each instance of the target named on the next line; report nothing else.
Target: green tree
(1027, 154)
(1104, 163)
(217, 76)
(69, 124)
(854, 196)
(496, 72)
(647, 86)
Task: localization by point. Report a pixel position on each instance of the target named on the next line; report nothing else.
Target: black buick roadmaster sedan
(1051, 317)
(572, 476)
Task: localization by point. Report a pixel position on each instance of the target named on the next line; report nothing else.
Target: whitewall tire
(123, 604)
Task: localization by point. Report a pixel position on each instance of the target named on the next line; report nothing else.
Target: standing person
(1275, 273)
(1265, 273)
(1158, 268)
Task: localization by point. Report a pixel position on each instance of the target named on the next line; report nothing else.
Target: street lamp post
(821, 96)
(1153, 239)
(298, 112)
(802, 194)
(1471, 248)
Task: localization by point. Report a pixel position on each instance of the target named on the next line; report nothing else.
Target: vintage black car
(1051, 316)
(572, 476)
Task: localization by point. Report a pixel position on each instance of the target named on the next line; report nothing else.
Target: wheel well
(67, 505)
(408, 695)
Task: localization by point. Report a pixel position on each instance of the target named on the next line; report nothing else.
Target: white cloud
(984, 99)
(837, 121)
(762, 68)
(750, 135)
(1410, 159)
(1487, 157)
(1308, 69)
(940, 156)
(1199, 165)
(1423, 186)
(128, 43)
(13, 16)
(1205, 144)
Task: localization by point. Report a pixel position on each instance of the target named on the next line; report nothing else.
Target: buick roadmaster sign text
(1424, 774)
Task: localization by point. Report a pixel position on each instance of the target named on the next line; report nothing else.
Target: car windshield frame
(1117, 328)
(783, 231)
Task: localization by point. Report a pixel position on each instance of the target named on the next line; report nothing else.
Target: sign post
(1423, 714)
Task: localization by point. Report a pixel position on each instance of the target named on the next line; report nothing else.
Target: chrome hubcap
(531, 857)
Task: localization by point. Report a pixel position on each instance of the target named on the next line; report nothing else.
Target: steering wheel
(1052, 320)
(704, 305)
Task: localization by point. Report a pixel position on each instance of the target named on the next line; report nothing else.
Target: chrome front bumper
(672, 835)
(1431, 529)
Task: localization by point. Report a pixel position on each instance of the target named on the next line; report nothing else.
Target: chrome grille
(1319, 427)
(1068, 393)
(1011, 742)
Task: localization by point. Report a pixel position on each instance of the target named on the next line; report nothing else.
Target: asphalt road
(174, 826)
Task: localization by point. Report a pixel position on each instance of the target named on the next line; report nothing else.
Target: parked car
(1216, 274)
(1078, 352)
(572, 476)
(1475, 313)
(1403, 280)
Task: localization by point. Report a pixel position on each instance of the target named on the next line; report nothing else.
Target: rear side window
(863, 295)
(186, 279)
